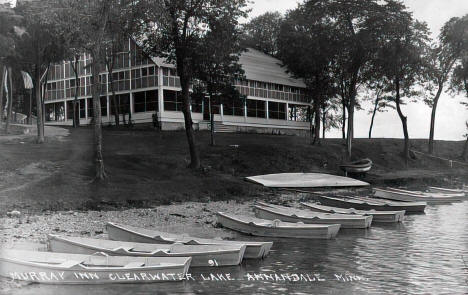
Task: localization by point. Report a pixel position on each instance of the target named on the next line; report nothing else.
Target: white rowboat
(202, 255)
(276, 228)
(271, 212)
(64, 268)
(377, 216)
(402, 196)
(120, 232)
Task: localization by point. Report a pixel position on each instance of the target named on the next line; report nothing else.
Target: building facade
(275, 101)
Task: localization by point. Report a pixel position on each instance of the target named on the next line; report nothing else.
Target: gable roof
(262, 67)
(257, 66)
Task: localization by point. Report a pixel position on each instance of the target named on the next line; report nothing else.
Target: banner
(28, 83)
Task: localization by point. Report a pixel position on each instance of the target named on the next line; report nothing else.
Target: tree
(453, 39)
(262, 32)
(381, 100)
(402, 62)
(8, 20)
(218, 65)
(458, 84)
(37, 47)
(307, 49)
(175, 30)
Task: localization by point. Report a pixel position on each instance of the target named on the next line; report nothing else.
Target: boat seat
(70, 263)
(135, 264)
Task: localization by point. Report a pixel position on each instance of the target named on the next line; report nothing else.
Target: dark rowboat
(360, 166)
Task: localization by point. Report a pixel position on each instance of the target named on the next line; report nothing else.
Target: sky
(451, 115)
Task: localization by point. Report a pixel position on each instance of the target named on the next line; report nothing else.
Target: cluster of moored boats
(138, 255)
(323, 220)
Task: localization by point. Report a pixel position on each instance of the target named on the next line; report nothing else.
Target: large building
(275, 100)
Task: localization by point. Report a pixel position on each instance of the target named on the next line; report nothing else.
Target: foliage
(262, 32)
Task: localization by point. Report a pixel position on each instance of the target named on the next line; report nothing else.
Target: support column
(160, 93)
(267, 114)
(66, 110)
(221, 112)
(132, 111)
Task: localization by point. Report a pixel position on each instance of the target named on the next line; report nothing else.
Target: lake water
(423, 255)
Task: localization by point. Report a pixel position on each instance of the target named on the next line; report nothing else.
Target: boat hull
(253, 250)
(373, 204)
(304, 180)
(22, 270)
(377, 216)
(448, 191)
(318, 232)
(270, 214)
(408, 197)
(226, 257)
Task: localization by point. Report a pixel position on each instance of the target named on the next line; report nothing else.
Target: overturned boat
(271, 212)
(304, 180)
(365, 203)
(399, 195)
(202, 255)
(64, 268)
(377, 216)
(276, 228)
(120, 232)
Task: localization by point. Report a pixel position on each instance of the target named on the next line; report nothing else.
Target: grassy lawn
(147, 168)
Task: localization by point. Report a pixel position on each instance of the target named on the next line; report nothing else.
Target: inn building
(275, 101)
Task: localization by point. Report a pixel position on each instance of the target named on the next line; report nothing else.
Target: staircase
(219, 127)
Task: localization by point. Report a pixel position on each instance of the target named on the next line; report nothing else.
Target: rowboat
(402, 196)
(365, 203)
(120, 232)
(64, 268)
(276, 228)
(272, 212)
(447, 191)
(455, 196)
(377, 216)
(360, 166)
(202, 255)
(304, 180)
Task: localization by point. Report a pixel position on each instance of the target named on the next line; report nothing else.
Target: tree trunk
(39, 121)
(350, 135)
(1, 93)
(324, 119)
(95, 87)
(10, 100)
(195, 160)
(404, 122)
(465, 151)
(373, 117)
(433, 114)
(114, 99)
(317, 119)
(76, 105)
(212, 121)
(343, 125)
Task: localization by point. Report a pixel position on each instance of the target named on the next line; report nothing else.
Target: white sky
(451, 116)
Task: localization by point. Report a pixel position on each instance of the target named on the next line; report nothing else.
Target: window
(255, 108)
(172, 100)
(145, 101)
(123, 103)
(82, 108)
(234, 107)
(276, 110)
(144, 72)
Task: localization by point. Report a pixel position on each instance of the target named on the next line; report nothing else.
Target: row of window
(147, 101)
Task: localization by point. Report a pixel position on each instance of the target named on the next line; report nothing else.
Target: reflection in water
(420, 256)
